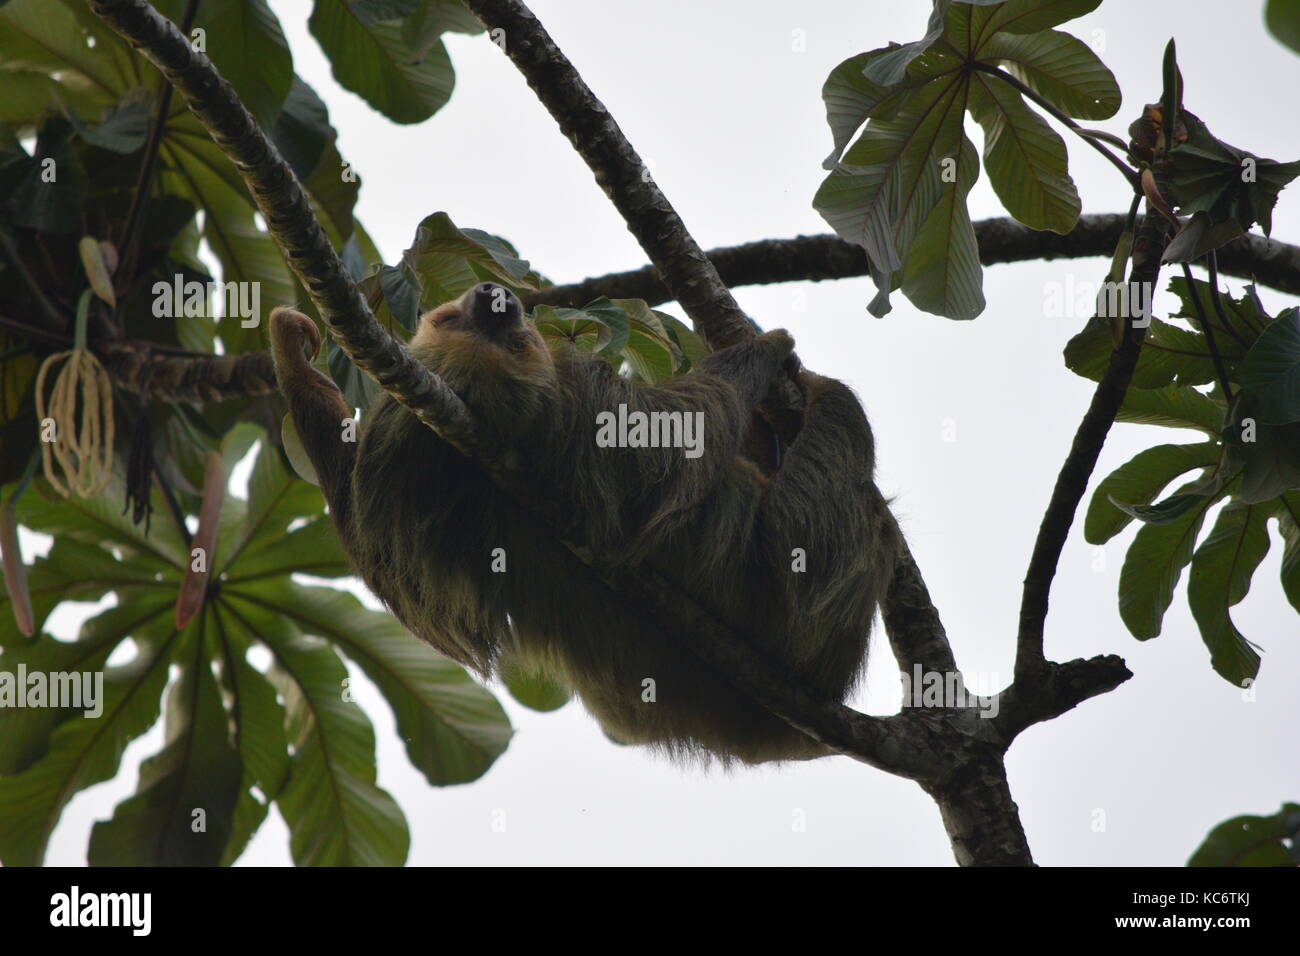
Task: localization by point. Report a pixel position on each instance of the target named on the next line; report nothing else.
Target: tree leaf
(182, 810)
(84, 752)
(374, 61)
(1287, 510)
(453, 729)
(1060, 68)
(1271, 370)
(882, 191)
(1253, 841)
(1138, 482)
(1169, 354)
(1025, 158)
(247, 45)
(442, 254)
(1173, 406)
(336, 814)
(1153, 565)
(1283, 20)
(1219, 578)
(943, 274)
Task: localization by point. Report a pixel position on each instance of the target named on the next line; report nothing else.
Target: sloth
(793, 558)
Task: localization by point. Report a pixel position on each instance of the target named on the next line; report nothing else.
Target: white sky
(729, 116)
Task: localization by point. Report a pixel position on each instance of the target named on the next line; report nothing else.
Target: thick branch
(816, 258)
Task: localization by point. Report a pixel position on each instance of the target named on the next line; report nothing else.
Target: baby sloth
(795, 560)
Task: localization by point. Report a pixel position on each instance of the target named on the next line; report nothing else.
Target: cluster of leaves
(900, 189)
(1250, 457)
(1251, 416)
(238, 736)
(88, 97)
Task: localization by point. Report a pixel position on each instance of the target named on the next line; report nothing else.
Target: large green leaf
(85, 751)
(1225, 190)
(1025, 158)
(1060, 68)
(336, 814)
(453, 728)
(260, 735)
(1219, 578)
(182, 812)
(442, 255)
(1271, 369)
(373, 59)
(890, 179)
(245, 42)
(882, 190)
(1287, 510)
(943, 274)
(1138, 482)
(1173, 406)
(1153, 565)
(56, 37)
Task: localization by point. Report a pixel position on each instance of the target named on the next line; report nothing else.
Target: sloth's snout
(492, 306)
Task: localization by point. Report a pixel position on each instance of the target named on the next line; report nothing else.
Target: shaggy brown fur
(422, 523)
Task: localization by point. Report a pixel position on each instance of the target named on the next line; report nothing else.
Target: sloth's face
(487, 350)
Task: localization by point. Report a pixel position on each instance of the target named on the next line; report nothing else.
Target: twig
(1220, 369)
(58, 321)
(130, 241)
(1212, 267)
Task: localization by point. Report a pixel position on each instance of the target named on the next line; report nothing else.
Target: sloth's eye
(446, 317)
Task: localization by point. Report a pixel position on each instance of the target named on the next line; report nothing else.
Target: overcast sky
(722, 98)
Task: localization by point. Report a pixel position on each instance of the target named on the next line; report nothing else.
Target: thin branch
(58, 321)
(1212, 268)
(130, 241)
(1220, 369)
(1148, 246)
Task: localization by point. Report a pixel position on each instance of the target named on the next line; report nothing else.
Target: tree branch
(200, 379)
(619, 171)
(817, 258)
(1148, 246)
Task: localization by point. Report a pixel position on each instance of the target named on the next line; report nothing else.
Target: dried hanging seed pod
(81, 445)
